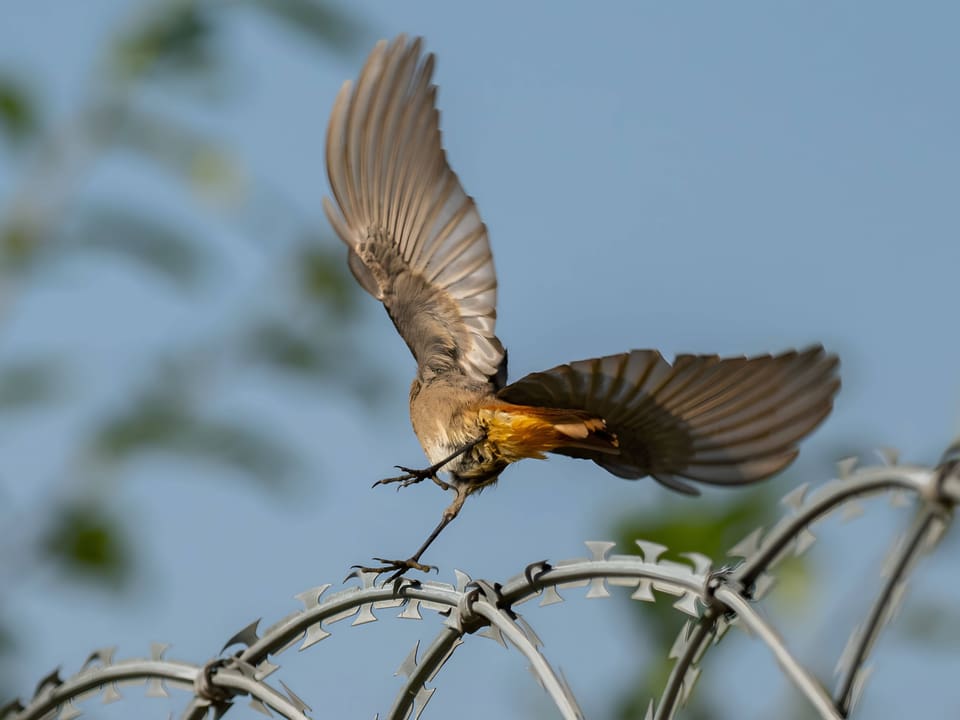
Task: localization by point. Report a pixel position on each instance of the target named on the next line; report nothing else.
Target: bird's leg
(411, 476)
(399, 567)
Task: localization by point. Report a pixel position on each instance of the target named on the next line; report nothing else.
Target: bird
(415, 242)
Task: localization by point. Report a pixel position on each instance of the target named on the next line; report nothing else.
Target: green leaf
(319, 21)
(177, 38)
(152, 421)
(932, 624)
(286, 348)
(88, 542)
(18, 116)
(18, 244)
(243, 447)
(28, 383)
(147, 240)
(201, 161)
(216, 175)
(163, 422)
(324, 278)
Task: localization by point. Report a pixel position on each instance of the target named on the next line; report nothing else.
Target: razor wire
(714, 599)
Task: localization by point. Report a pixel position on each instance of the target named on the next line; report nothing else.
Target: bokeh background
(195, 398)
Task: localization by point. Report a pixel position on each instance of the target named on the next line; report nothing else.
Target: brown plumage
(416, 242)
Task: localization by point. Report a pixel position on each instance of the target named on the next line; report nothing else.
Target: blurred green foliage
(173, 38)
(691, 525)
(932, 623)
(322, 278)
(274, 342)
(18, 117)
(141, 237)
(319, 22)
(136, 106)
(17, 244)
(86, 542)
(28, 383)
(163, 419)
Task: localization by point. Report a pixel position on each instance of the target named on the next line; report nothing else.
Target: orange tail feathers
(524, 431)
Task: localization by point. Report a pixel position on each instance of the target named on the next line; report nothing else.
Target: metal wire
(714, 600)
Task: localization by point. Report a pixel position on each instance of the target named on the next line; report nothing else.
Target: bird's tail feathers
(720, 421)
(527, 431)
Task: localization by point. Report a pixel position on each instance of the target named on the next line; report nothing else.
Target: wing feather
(415, 239)
(722, 421)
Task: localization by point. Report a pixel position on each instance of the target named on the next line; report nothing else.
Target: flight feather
(414, 237)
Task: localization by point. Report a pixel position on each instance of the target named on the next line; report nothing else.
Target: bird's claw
(398, 567)
(412, 477)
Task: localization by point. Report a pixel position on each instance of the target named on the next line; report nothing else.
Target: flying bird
(416, 242)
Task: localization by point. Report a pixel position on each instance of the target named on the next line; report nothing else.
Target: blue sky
(732, 178)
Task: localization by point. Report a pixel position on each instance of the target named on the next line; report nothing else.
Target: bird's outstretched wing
(722, 421)
(416, 241)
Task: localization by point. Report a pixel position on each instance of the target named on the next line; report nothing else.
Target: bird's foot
(397, 567)
(412, 477)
